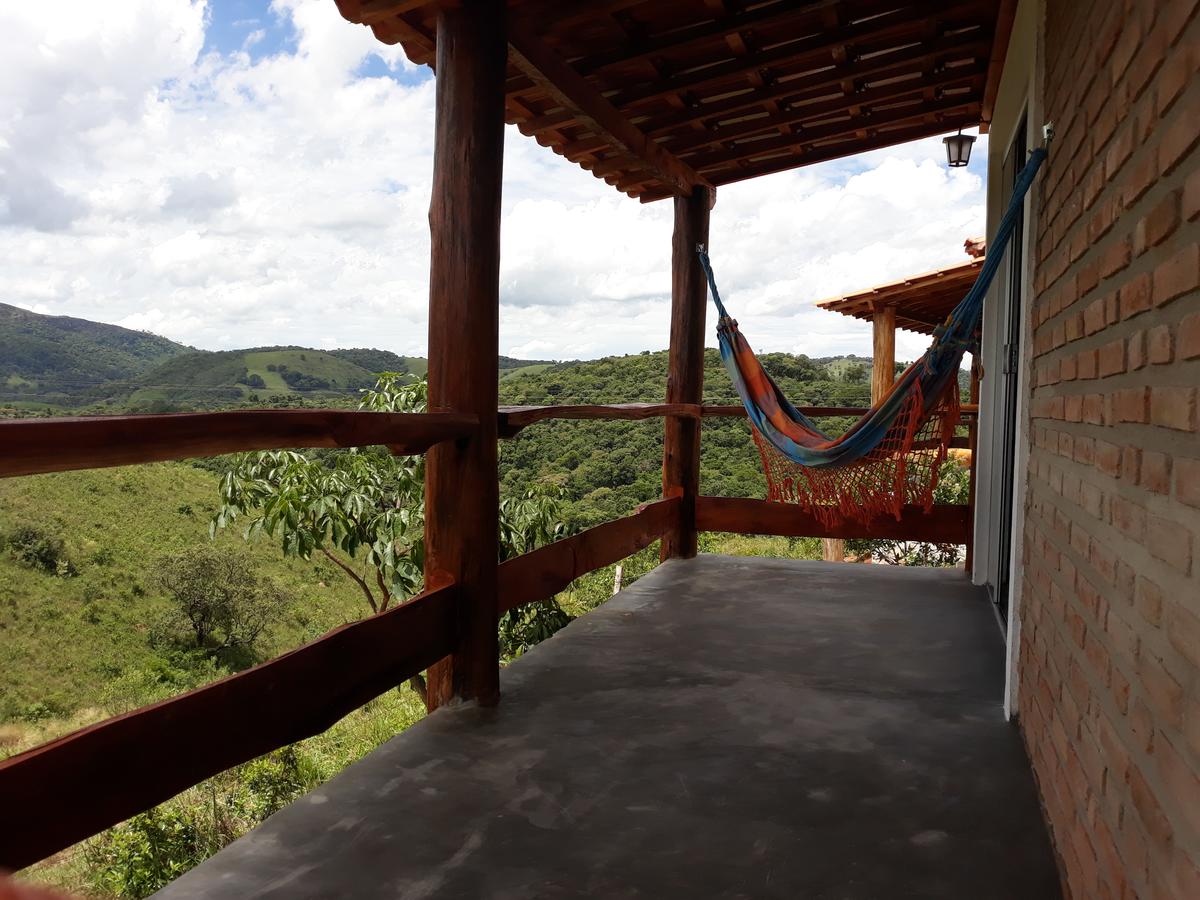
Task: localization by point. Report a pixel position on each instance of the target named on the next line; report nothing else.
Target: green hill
(81, 622)
(608, 468)
(264, 375)
(63, 360)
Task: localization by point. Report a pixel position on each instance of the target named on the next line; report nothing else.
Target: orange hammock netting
(890, 457)
(901, 470)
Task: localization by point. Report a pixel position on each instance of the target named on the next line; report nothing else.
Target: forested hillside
(608, 468)
(63, 360)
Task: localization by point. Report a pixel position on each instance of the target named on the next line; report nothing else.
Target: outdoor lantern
(958, 149)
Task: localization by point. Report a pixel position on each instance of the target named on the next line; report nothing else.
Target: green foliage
(147, 852)
(529, 521)
(64, 640)
(376, 361)
(340, 503)
(62, 360)
(217, 598)
(35, 547)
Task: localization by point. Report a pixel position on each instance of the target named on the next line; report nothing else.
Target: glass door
(1010, 405)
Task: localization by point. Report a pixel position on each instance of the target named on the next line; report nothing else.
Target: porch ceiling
(658, 96)
(922, 302)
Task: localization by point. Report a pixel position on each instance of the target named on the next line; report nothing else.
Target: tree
(218, 598)
(341, 503)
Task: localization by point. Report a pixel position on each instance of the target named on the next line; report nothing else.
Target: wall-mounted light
(958, 149)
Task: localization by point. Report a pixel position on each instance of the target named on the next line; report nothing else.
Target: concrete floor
(725, 727)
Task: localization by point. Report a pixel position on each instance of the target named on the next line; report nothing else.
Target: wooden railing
(77, 785)
(30, 446)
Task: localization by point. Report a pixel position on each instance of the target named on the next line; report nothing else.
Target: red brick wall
(1109, 691)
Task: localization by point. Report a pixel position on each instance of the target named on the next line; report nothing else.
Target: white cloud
(242, 199)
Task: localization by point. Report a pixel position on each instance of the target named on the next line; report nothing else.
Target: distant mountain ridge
(66, 363)
(57, 358)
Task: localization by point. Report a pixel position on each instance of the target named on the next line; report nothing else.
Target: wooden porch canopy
(658, 97)
(921, 302)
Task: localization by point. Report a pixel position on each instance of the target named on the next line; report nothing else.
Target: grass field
(64, 635)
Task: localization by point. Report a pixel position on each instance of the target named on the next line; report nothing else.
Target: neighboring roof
(656, 96)
(922, 301)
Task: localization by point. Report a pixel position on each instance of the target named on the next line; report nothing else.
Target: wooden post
(461, 487)
(883, 365)
(685, 375)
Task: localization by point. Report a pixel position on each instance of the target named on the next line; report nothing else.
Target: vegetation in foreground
(109, 601)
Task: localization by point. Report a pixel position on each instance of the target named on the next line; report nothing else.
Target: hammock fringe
(891, 457)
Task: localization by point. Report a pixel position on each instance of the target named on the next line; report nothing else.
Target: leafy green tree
(217, 597)
(368, 505)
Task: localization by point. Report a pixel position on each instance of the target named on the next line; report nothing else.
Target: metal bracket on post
(1047, 133)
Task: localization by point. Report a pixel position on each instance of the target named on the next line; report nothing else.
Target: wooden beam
(708, 32)
(1006, 15)
(73, 787)
(570, 89)
(837, 151)
(29, 446)
(461, 486)
(883, 358)
(515, 418)
(943, 524)
(796, 115)
(685, 368)
(915, 113)
(550, 569)
(896, 25)
(879, 67)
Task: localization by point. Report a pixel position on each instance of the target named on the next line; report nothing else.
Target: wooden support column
(461, 488)
(883, 366)
(685, 375)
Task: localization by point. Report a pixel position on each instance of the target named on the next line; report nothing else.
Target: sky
(238, 173)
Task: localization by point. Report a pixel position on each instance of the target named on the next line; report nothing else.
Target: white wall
(1018, 94)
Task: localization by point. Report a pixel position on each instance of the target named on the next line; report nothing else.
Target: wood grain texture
(568, 88)
(68, 789)
(632, 91)
(29, 446)
(685, 367)
(883, 352)
(548, 570)
(461, 480)
(944, 523)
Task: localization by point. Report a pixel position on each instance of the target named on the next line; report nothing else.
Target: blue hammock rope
(926, 383)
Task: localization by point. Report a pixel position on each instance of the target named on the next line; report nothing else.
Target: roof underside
(658, 96)
(922, 302)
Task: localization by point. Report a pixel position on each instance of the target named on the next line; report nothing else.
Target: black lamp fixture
(958, 149)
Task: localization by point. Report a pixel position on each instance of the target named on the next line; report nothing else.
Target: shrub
(40, 549)
(217, 597)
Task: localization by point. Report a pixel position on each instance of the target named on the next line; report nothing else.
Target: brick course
(1109, 660)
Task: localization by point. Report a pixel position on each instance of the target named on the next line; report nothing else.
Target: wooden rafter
(1004, 25)
(891, 64)
(799, 114)
(814, 49)
(914, 112)
(569, 88)
(635, 91)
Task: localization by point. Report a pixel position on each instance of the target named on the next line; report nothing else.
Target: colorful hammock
(891, 456)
